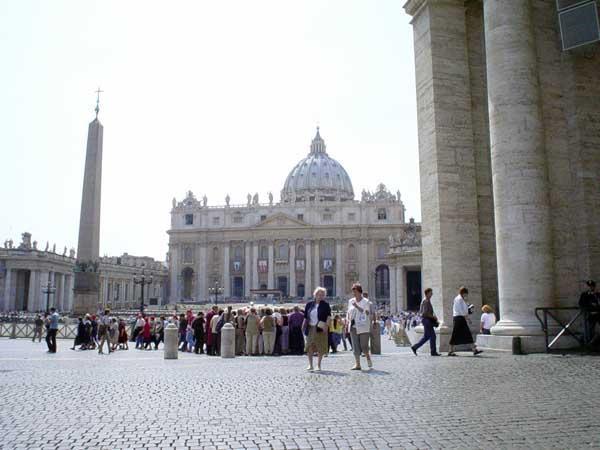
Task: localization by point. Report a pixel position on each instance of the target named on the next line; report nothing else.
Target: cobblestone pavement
(135, 399)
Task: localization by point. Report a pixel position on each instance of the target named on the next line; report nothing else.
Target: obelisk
(87, 280)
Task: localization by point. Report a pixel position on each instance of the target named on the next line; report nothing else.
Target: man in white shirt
(104, 331)
(359, 323)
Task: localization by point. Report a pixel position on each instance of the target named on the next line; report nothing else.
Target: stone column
(42, 285)
(8, 279)
(393, 283)
(308, 286)
(363, 265)
(69, 292)
(316, 267)
(401, 288)
(292, 266)
(255, 265)
(519, 170)
(201, 290)
(174, 274)
(226, 276)
(270, 273)
(59, 285)
(32, 300)
(339, 270)
(248, 269)
(450, 235)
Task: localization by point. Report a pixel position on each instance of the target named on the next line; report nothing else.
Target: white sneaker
(309, 369)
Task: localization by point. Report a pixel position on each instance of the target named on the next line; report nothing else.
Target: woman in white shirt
(488, 319)
(359, 322)
(461, 334)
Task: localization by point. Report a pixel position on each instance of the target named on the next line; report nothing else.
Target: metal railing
(566, 328)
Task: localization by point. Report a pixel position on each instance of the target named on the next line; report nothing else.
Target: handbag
(322, 326)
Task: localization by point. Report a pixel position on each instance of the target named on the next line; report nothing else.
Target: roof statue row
(27, 245)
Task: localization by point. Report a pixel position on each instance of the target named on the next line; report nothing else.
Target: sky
(214, 97)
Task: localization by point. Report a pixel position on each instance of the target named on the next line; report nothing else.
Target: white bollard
(171, 350)
(227, 341)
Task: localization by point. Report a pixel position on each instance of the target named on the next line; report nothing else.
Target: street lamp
(48, 290)
(142, 280)
(216, 290)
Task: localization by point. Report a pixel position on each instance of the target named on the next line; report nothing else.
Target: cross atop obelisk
(97, 109)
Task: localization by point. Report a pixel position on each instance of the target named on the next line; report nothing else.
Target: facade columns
(317, 267)
(393, 282)
(42, 285)
(226, 276)
(8, 279)
(400, 289)
(270, 263)
(59, 283)
(308, 285)
(247, 269)
(519, 167)
(174, 272)
(255, 265)
(31, 298)
(292, 266)
(201, 290)
(339, 270)
(363, 265)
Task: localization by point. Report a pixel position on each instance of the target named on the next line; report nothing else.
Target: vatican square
(298, 225)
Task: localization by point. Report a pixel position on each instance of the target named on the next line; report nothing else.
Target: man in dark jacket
(198, 327)
(589, 302)
(429, 323)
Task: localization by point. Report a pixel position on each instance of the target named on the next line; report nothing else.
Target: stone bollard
(227, 341)
(171, 350)
(376, 338)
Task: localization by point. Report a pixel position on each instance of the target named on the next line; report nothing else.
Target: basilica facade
(317, 234)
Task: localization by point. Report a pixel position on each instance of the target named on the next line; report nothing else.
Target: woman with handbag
(317, 315)
(461, 334)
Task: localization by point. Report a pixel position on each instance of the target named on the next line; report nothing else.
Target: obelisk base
(86, 293)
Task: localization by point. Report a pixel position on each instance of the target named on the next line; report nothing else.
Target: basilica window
(351, 252)
(381, 251)
(187, 255)
(300, 216)
(216, 253)
(263, 217)
(237, 219)
(300, 252)
(216, 220)
(282, 251)
(351, 217)
(264, 252)
(381, 214)
(328, 250)
(327, 217)
(237, 253)
(189, 219)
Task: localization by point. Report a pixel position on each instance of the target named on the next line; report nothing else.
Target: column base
(521, 328)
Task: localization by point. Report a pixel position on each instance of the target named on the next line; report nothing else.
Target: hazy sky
(213, 96)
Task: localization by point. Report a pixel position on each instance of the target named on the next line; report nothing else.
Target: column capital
(414, 7)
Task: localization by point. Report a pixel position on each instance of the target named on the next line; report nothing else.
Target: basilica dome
(318, 176)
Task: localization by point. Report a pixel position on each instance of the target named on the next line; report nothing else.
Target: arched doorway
(300, 290)
(382, 282)
(329, 285)
(188, 281)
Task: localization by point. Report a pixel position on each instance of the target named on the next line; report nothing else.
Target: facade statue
(10, 243)
(227, 200)
(270, 198)
(25, 241)
(174, 202)
(35, 245)
(65, 251)
(72, 253)
(255, 199)
(398, 197)
(47, 246)
(249, 199)
(204, 201)
(54, 248)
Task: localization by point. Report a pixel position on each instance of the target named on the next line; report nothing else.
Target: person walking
(159, 331)
(198, 327)
(240, 330)
(358, 316)
(429, 321)
(285, 332)
(123, 338)
(268, 325)
(317, 316)
(461, 334)
(38, 328)
(209, 334)
(183, 323)
(52, 330)
(252, 332)
(79, 337)
(104, 331)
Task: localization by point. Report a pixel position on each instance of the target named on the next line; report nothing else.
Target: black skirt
(461, 334)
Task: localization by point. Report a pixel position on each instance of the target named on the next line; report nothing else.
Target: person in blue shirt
(52, 330)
